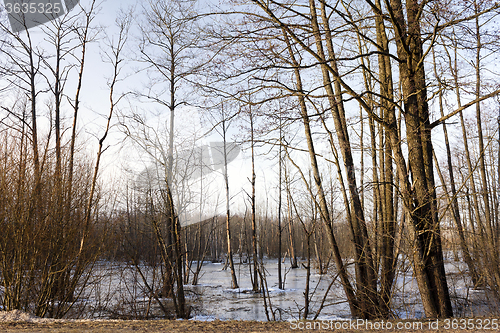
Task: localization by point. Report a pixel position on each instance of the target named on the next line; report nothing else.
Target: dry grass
(126, 326)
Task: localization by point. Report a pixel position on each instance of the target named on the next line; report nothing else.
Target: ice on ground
(203, 318)
(279, 291)
(333, 318)
(239, 290)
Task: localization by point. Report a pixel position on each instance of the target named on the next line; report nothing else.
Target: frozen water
(120, 292)
(213, 298)
(218, 301)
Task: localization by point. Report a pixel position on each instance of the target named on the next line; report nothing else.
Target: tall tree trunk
(458, 224)
(33, 72)
(498, 171)
(325, 215)
(493, 254)
(483, 231)
(409, 43)
(291, 246)
(182, 311)
(234, 281)
(280, 278)
(254, 217)
(388, 260)
(366, 280)
(453, 200)
(482, 163)
(84, 37)
(308, 274)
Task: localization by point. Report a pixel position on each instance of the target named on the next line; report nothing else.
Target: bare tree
(168, 38)
(56, 197)
(224, 151)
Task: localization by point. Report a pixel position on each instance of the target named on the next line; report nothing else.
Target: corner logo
(26, 14)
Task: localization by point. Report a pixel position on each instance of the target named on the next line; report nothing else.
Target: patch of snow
(239, 290)
(279, 291)
(472, 290)
(203, 318)
(203, 285)
(144, 299)
(333, 318)
(18, 315)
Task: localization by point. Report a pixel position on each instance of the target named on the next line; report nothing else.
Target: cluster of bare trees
(53, 225)
(350, 98)
(340, 69)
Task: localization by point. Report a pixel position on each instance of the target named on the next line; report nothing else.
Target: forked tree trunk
(388, 260)
(366, 277)
(429, 266)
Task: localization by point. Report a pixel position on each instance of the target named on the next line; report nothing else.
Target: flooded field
(121, 293)
(218, 301)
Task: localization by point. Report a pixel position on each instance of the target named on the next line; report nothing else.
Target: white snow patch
(250, 290)
(18, 315)
(203, 318)
(239, 290)
(279, 291)
(333, 318)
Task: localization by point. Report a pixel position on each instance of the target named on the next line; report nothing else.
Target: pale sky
(95, 97)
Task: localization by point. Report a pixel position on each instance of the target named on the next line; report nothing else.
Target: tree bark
(409, 43)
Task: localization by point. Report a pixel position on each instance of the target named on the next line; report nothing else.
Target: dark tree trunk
(429, 267)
